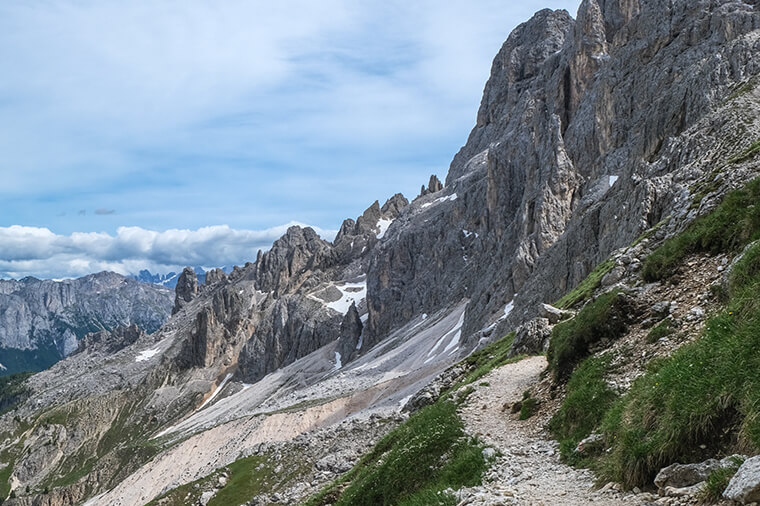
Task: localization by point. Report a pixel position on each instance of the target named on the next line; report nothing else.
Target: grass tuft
(585, 290)
(662, 329)
(588, 398)
(718, 480)
(604, 318)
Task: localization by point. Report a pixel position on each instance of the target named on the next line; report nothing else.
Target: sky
(161, 133)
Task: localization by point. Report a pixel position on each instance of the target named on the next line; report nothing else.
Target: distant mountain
(169, 280)
(42, 321)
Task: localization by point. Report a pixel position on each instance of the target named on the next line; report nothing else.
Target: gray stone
(744, 487)
(531, 337)
(553, 314)
(661, 309)
(679, 476)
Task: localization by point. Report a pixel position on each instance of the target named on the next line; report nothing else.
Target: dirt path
(529, 472)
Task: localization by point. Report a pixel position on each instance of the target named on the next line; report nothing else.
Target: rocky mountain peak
(215, 276)
(291, 260)
(393, 206)
(186, 290)
(434, 185)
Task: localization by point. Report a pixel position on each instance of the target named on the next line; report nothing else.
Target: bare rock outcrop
(186, 289)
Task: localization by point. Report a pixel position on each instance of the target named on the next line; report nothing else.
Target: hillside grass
(585, 289)
(587, 399)
(413, 465)
(701, 402)
(706, 394)
(571, 341)
(731, 226)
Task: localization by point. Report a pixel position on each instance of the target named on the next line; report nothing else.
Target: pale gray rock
(553, 314)
(681, 476)
(110, 341)
(744, 487)
(532, 337)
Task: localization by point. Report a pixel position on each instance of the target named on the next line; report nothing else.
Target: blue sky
(145, 120)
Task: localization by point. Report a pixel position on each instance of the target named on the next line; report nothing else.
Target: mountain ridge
(625, 123)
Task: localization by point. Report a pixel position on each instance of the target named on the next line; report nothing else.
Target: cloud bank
(33, 251)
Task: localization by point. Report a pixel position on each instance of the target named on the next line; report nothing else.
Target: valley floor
(529, 471)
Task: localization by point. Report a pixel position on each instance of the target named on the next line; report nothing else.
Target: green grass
(748, 153)
(604, 318)
(247, 478)
(718, 480)
(662, 329)
(731, 226)
(585, 290)
(528, 408)
(588, 398)
(703, 400)
(413, 464)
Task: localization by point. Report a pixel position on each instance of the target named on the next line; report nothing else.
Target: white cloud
(31, 251)
(89, 85)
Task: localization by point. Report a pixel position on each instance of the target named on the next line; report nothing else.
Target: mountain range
(576, 292)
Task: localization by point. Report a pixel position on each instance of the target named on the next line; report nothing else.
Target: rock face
(350, 334)
(186, 290)
(110, 341)
(532, 337)
(589, 132)
(43, 321)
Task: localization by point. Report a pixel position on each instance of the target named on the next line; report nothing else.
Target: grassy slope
(429, 453)
(705, 399)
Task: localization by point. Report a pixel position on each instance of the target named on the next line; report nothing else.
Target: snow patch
(457, 331)
(145, 355)
(467, 233)
(351, 293)
(613, 180)
(382, 226)
(3, 367)
(451, 198)
(338, 363)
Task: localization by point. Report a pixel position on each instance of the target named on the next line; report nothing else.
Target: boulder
(531, 338)
(678, 476)
(744, 487)
(553, 314)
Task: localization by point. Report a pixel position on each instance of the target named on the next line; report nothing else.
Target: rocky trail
(529, 471)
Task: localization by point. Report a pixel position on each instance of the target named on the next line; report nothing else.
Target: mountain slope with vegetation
(610, 172)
